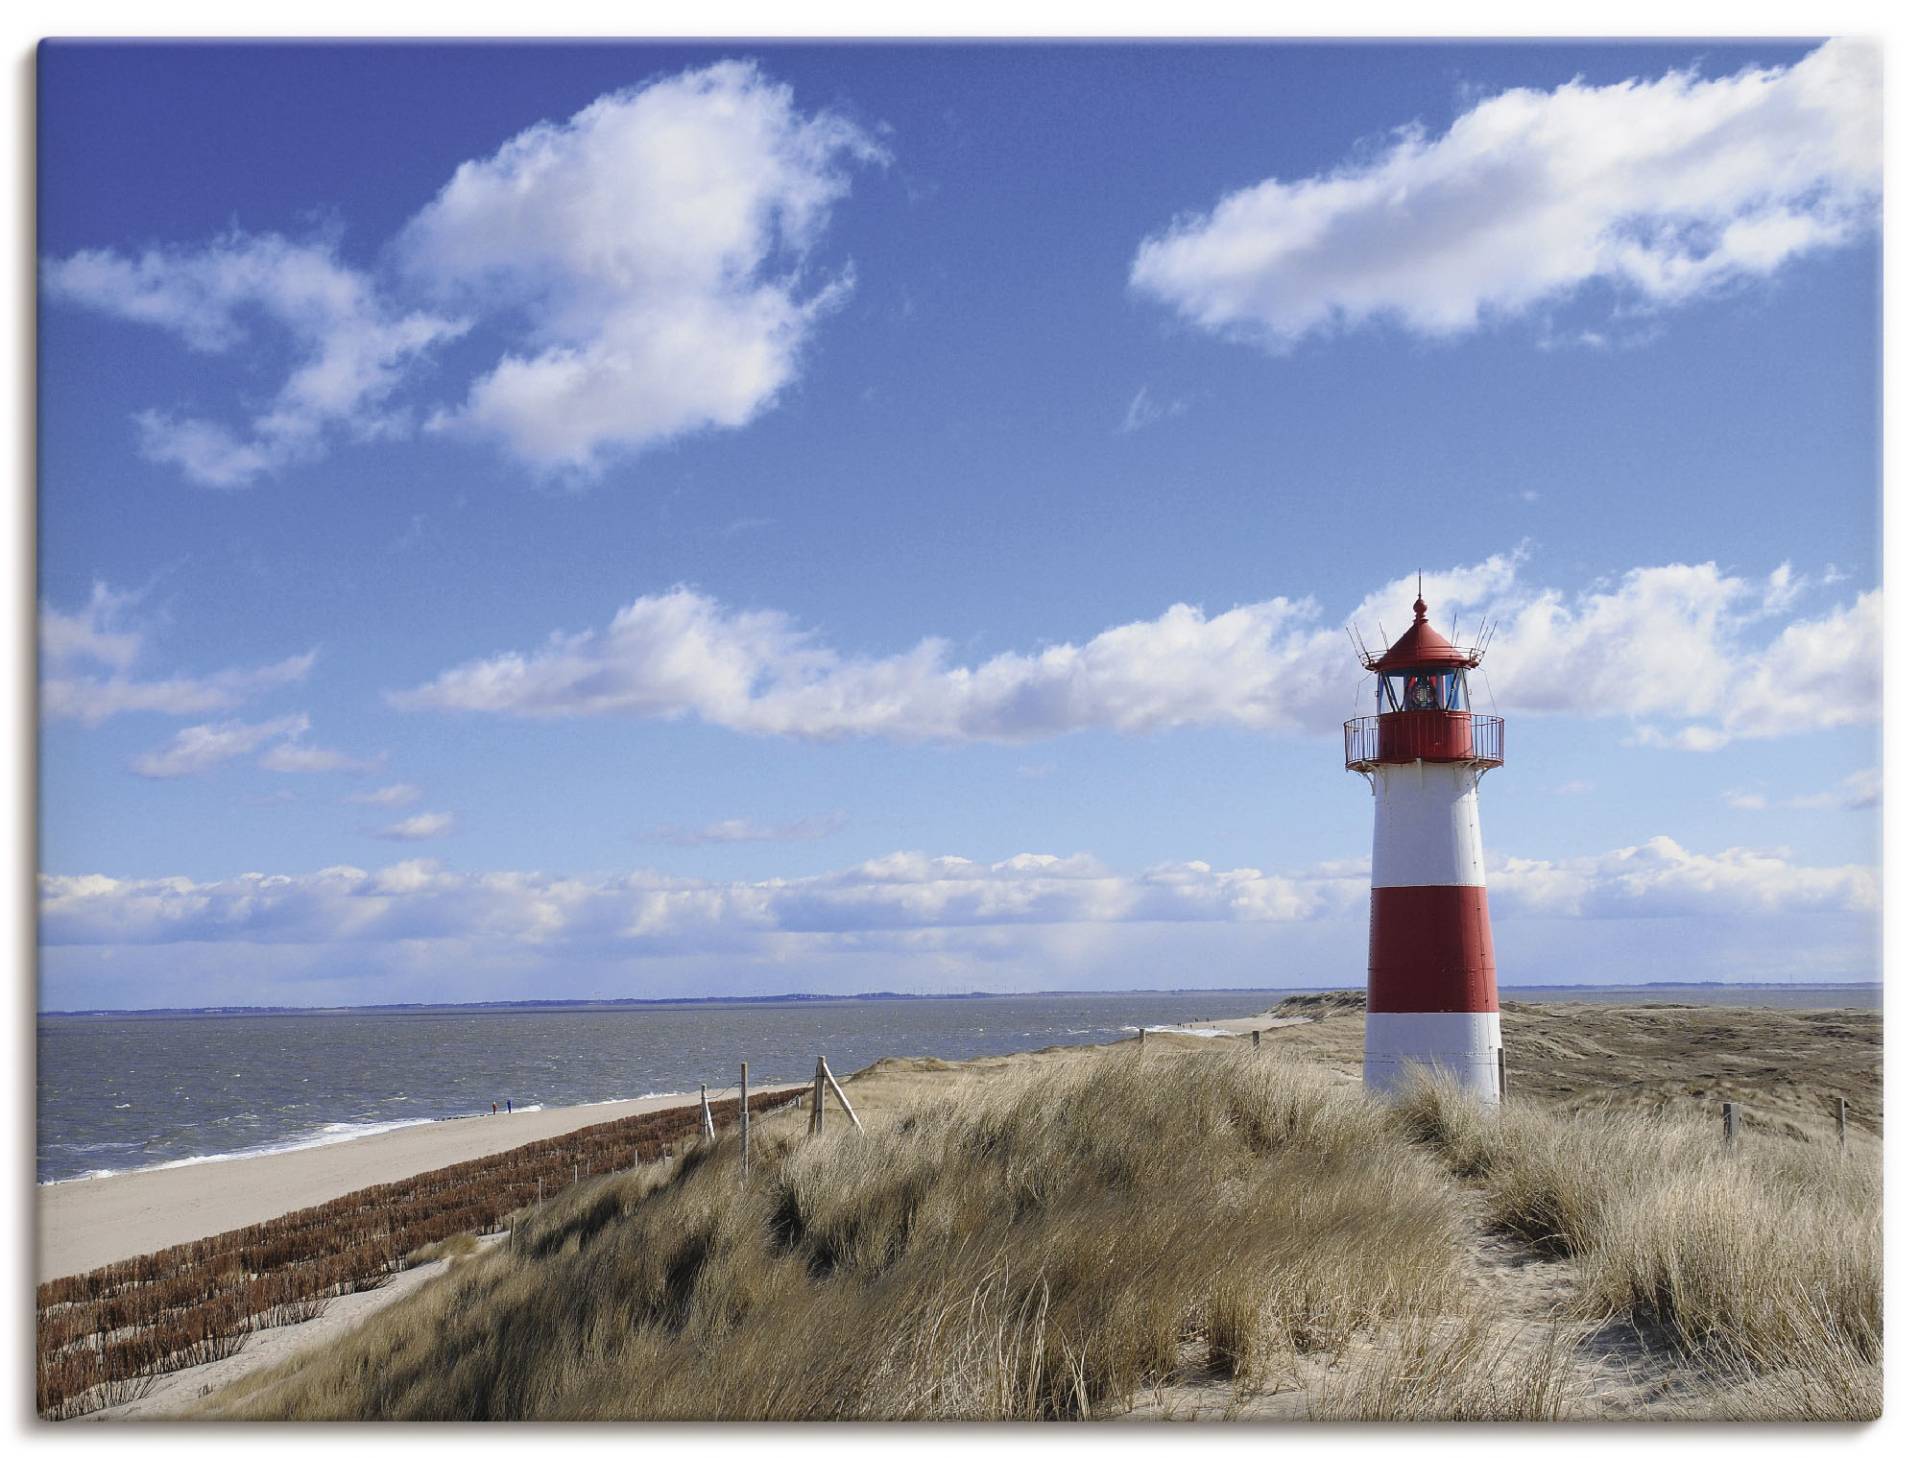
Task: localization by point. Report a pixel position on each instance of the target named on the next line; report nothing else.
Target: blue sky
(643, 520)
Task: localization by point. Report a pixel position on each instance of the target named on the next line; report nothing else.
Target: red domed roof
(1421, 646)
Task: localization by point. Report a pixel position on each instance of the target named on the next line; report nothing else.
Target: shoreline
(91, 1220)
(332, 1134)
(88, 1221)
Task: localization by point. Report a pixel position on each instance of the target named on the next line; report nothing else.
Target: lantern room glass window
(1422, 688)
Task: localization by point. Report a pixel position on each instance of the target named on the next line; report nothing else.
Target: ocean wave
(340, 1133)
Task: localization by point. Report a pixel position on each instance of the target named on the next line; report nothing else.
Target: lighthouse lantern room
(1431, 997)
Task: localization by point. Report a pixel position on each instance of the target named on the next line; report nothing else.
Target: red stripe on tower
(1430, 949)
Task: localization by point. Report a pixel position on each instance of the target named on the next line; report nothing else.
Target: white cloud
(311, 759)
(1861, 790)
(1661, 190)
(900, 892)
(390, 796)
(76, 646)
(646, 264)
(741, 831)
(95, 632)
(1673, 644)
(1784, 588)
(93, 700)
(682, 653)
(1143, 410)
(1662, 878)
(351, 349)
(653, 245)
(427, 825)
(907, 893)
(200, 747)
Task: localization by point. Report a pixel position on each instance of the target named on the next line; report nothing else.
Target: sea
(129, 1091)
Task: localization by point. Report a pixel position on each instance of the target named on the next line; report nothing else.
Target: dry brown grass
(1783, 1066)
(1037, 1246)
(1762, 1261)
(1098, 1230)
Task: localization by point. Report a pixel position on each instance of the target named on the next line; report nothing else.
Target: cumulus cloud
(646, 913)
(1686, 646)
(904, 891)
(1660, 190)
(1663, 878)
(200, 747)
(646, 265)
(350, 347)
(653, 245)
(427, 825)
(742, 831)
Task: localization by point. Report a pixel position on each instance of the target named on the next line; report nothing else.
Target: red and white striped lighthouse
(1431, 999)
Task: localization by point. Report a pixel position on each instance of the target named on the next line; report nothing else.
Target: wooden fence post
(1840, 1119)
(743, 1124)
(1256, 1037)
(706, 1117)
(817, 1124)
(1730, 1122)
(1142, 1038)
(576, 1174)
(1500, 1053)
(840, 1094)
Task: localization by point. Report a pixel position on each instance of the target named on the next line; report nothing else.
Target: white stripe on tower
(1431, 998)
(1426, 826)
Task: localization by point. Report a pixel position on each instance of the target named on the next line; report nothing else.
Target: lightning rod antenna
(1354, 641)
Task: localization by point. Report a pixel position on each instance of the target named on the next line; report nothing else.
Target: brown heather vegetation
(1185, 1229)
(103, 1336)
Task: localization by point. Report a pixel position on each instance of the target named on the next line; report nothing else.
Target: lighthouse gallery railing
(1479, 739)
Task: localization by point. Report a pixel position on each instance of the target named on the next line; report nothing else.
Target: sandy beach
(86, 1223)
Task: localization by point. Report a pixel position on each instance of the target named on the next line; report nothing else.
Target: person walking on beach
(509, 1106)
(496, 1107)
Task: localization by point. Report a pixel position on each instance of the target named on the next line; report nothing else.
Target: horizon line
(245, 1009)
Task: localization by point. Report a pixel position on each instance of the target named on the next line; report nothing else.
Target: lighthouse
(1431, 999)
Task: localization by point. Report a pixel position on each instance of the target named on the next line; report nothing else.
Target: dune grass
(1067, 1238)
(1762, 1261)
(1037, 1248)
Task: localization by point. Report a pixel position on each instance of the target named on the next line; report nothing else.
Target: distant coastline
(782, 998)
